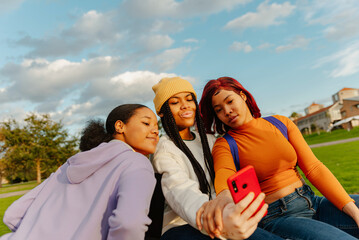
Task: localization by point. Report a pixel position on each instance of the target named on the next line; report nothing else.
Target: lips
(153, 139)
(232, 119)
(187, 114)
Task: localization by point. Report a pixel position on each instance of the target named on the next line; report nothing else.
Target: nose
(184, 104)
(155, 131)
(227, 111)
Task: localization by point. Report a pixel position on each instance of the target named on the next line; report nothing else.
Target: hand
(211, 214)
(352, 210)
(238, 223)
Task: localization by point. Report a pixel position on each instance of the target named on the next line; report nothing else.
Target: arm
(129, 220)
(316, 172)
(352, 210)
(215, 215)
(180, 191)
(209, 216)
(17, 210)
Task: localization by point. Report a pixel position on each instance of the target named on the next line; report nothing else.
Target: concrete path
(10, 194)
(334, 142)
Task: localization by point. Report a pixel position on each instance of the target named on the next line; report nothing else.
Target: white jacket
(180, 185)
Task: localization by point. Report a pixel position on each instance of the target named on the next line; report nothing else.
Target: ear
(243, 96)
(119, 126)
(160, 114)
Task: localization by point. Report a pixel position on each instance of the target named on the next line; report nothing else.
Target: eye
(218, 110)
(230, 101)
(173, 103)
(147, 124)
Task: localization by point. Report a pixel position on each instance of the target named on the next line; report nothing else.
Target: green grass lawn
(4, 204)
(343, 161)
(6, 188)
(337, 134)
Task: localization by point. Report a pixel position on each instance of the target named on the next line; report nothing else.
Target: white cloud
(191, 40)
(339, 17)
(264, 46)
(178, 9)
(157, 42)
(169, 58)
(266, 15)
(345, 62)
(7, 6)
(241, 46)
(40, 80)
(297, 42)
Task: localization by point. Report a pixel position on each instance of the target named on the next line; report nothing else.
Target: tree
(295, 115)
(36, 149)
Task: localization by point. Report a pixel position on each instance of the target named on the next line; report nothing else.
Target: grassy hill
(337, 134)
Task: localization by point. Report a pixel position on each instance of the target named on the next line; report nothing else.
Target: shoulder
(285, 120)
(165, 145)
(220, 143)
(134, 159)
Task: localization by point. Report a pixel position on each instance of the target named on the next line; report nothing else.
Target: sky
(77, 60)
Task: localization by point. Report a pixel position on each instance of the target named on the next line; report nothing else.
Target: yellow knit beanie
(168, 87)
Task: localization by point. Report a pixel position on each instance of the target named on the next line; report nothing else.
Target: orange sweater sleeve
(316, 172)
(223, 164)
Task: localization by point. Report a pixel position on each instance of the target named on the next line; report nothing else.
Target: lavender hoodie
(103, 193)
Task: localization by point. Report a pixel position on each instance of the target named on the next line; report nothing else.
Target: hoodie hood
(84, 164)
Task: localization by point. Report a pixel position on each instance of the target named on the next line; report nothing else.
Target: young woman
(103, 192)
(184, 159)
(294, 211)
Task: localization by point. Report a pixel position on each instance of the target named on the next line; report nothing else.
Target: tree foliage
(34, 150)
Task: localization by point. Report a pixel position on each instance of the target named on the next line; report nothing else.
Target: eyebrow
(189, 94)
(223, 100)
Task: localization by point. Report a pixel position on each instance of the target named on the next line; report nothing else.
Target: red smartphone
(244, 182)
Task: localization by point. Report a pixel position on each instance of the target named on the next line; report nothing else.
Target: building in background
(345, 107)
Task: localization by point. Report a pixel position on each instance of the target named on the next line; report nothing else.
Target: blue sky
(79, 59)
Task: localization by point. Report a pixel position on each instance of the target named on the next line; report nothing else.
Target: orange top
(274, 158)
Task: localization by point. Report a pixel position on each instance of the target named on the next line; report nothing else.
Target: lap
(306, 228)
(184, 232)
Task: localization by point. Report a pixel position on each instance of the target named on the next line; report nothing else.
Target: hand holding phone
(244, 182)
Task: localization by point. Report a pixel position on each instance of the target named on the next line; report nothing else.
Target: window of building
(344, 114)
(357, 106)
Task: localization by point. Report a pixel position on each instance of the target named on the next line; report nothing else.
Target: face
(231, 108)
(140, 131)
(183, 109)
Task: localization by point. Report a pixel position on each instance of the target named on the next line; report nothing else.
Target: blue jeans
(187, 232)
(303, 215)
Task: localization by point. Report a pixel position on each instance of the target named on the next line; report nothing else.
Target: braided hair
(170, 127)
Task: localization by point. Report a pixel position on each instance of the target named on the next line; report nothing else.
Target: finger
(208, 223)
(218, 218)
(260, 214)
(252, 208)
(199, 217)
(243, 204)
(250, 231)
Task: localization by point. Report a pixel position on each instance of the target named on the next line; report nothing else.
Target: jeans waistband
(297, 193)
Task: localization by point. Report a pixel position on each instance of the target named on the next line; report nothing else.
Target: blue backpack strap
(278, 124)
(234, 149)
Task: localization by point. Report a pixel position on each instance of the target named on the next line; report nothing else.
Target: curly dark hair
(95, 132)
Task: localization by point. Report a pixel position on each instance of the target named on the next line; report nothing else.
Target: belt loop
(283, 207)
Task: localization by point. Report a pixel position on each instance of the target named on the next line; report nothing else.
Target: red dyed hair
(209, 117)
